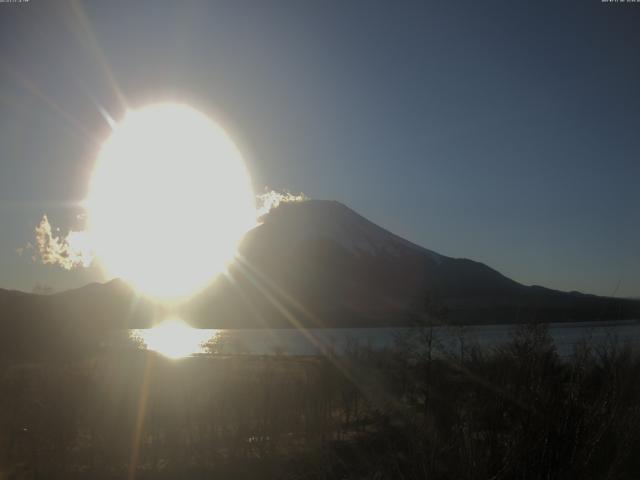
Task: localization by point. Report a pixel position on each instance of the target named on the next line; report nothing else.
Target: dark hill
(318, 263)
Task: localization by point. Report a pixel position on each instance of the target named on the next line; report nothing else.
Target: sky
(505, 132)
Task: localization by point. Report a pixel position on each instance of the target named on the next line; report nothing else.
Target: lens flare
(169, 200)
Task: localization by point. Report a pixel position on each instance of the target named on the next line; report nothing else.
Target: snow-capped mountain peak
(313, 219)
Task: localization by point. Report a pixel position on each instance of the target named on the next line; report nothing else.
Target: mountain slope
(328, 266)
(318, 263)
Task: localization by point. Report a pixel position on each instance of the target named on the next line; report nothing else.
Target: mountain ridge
(318, 263)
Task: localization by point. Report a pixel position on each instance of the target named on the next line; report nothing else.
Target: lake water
(317, 341)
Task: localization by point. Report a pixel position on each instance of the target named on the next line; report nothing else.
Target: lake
(317, 341)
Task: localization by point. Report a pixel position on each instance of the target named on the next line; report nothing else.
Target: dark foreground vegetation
(409, 412)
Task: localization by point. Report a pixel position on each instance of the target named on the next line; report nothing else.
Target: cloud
(75, 250)
(271, 199)
(68, 252)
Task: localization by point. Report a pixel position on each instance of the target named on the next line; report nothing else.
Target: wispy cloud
(271, 199)
(71, 251)
(74, 250)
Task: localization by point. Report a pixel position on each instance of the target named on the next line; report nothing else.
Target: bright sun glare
(169, 200)
(173, 338)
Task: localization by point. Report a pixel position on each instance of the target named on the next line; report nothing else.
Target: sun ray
(280, 291)
(140, 417)
(263, 284)
(85, 34)
(36, 91)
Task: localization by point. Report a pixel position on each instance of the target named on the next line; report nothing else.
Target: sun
(169, 200)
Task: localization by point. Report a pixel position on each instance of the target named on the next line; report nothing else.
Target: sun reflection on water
(175, 338)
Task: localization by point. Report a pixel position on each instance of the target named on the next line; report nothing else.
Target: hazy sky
(504, 132)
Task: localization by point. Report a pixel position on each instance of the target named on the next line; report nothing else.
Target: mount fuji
(320, 264)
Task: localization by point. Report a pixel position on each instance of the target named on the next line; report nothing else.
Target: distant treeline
(410, 412)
